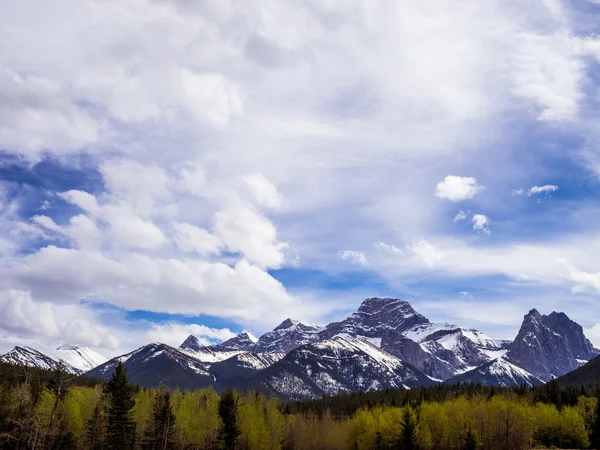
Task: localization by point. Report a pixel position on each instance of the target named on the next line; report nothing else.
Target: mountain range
(384, 344)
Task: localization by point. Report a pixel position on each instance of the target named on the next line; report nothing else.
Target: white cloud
(243, 229)
(390, 248)
(461, 215)
(546, 189)
(354, 257)
(481, 223)
(263, 191)
(455, 188)
(517, 192)
(190, 238)
(343, 110)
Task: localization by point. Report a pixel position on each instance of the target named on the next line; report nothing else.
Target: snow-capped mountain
(159, 363)
(385, 343)
(461, 348)
(546, 346)
(243, 342)
(290, 334)
(81, 358)
(499, 372)
(335, 366)
(27, 356)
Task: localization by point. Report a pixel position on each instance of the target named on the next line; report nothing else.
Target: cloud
(456, 189)
(546, 189)
(214, 142)
(354, 257)
(263, 192)
(461, 215)
(481, 223)
(243, 229)
(190, 238)
(390, 248)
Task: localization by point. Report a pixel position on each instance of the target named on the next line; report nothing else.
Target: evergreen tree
(595, 437)
(120, 432)
(471, 442)
(229, 430)
(161, 433)
(96, 428)
(408, 435)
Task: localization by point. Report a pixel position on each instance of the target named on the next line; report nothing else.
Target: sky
(176, 167)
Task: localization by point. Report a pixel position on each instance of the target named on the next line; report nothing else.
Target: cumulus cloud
(456, 188)
(354, 257)
(481, 223)
(546, 189)
(263, 191)
(197, 128)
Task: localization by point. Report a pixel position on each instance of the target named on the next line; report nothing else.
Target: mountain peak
(287, 323)
(68, 347)
(191, 343)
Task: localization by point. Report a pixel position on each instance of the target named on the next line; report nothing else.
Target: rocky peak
(376, 315)
(287, 323)
(242, 342)
(191, 343)
(549, 345)
(290, 334)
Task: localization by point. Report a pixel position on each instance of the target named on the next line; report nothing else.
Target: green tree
(120, 432)
(229, 430)
(408, 434)
(595, 437)
(160, 435)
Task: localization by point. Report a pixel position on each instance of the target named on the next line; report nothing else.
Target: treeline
(59, 414)
(345, 405)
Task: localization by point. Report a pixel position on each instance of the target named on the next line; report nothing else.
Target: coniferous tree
(161, 433)
(229, 430)
(471, 442)
(408, 435)
(120, 432)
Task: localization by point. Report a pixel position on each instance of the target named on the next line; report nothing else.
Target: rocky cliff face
(550, 346)
(290, 334)
(374, 317)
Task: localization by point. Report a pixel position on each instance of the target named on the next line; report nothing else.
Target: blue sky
(172, 167)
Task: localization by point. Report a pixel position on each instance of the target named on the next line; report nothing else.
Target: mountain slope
(334, 366)
(499, 372)
(81, 358)
(27, 356)
(586, 375)
(159, 363)
(290, 334)
(460, 348)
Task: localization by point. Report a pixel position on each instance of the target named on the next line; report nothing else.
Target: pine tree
(120, 432)
(161, 433)
(595, 437)
(408, 435)
(471, 442)
(229, 430)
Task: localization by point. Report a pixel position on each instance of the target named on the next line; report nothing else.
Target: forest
(54, 410)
